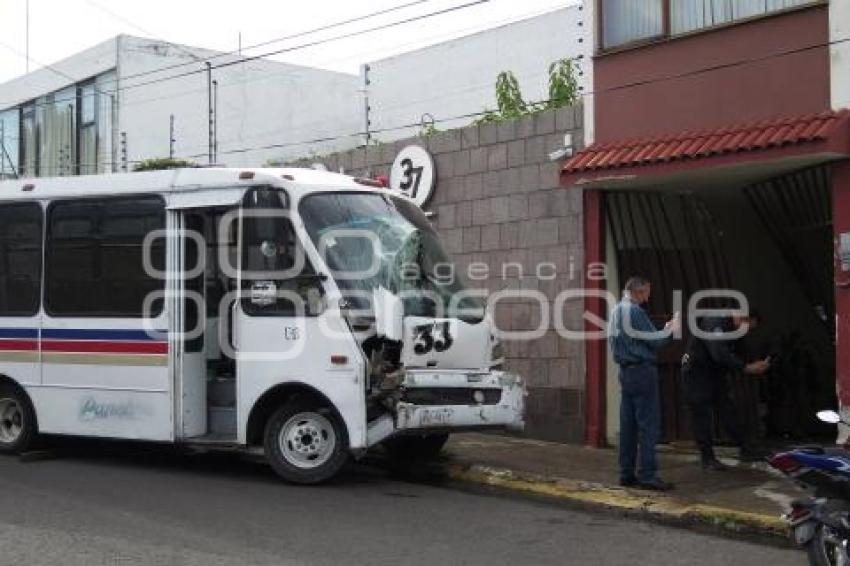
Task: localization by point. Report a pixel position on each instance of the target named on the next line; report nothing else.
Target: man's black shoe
(655, 485)
(629, 482)
(714, 465)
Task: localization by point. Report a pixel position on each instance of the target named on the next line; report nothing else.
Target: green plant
(487, 117)
(563, 91)
(509, 97)
(563, 84)
(160, 163)
(428, 130)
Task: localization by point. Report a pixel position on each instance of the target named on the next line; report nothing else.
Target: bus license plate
(436, 417)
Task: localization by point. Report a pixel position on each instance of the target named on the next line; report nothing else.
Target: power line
(52, 69)
(284, 38)
(346, 136)
(610, 89)
(137, 27)
(476, 2)
(219, 55)
(306, 126)
(316, 42)
(290, 72)
(280, 51)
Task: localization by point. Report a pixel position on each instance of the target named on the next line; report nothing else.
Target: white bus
(304, 314)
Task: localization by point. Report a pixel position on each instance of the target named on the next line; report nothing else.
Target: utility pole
(210, 140)
(114, 127)
(28, 35)
(124, 151)
(366, 108)
(171, 138)
(215, 121)
(73, 157)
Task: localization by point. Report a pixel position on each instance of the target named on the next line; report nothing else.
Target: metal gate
(673, 240)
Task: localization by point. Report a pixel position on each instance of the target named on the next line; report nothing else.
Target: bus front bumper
(448, 401)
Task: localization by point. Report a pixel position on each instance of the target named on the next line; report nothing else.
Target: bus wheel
(17, 421)
(305, 442)
(415, 447)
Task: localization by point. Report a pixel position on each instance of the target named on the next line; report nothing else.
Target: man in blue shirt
(635, 342)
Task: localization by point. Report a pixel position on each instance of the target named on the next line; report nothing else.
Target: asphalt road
(119, 505)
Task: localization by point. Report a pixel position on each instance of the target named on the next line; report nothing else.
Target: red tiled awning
(688, 146)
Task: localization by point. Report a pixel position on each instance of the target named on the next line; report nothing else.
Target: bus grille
(451, 396)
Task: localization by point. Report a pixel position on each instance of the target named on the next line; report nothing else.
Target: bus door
(188, 308)
(282, 329)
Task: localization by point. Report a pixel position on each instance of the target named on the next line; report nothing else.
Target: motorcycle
(820, 524)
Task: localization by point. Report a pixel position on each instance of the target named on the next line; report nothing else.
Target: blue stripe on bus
(18, 333)
(95, 334)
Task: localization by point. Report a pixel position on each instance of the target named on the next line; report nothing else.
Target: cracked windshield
(373, 240)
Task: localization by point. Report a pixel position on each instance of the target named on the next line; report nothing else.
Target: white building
(110, 106)
(839, 53)
(457, 77)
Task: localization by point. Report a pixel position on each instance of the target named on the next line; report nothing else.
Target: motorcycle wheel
(827, 549)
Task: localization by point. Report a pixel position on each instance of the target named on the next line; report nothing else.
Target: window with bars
(88, 129)
(629, 21)
(66, 132)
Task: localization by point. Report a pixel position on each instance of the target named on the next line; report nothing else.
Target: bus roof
(297, 181)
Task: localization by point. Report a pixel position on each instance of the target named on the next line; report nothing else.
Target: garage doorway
(769, 238)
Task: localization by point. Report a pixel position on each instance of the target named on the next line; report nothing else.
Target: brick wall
(498, 202)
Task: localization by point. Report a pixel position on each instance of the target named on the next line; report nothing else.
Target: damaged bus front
(434, 362)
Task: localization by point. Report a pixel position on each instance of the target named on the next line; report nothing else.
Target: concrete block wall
(498, 202)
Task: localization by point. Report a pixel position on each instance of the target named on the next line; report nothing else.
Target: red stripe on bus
(100, 347)
(18, 345)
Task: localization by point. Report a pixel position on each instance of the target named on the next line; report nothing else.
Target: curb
(660, 507)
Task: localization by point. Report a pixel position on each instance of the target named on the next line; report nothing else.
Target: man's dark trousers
(639, 421)
(704, 401)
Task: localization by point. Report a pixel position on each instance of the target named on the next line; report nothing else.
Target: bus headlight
(497, 352)
(497, 355)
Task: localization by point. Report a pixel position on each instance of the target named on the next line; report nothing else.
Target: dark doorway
(772, 240)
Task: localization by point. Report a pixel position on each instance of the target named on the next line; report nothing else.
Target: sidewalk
(746, 499)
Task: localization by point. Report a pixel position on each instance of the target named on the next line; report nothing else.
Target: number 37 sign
(413, 174)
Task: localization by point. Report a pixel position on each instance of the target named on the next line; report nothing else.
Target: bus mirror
(389, 314)
(263, 293)
(315, 301)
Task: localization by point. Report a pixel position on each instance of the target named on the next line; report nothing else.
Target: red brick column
(841, 223)
(595, 350)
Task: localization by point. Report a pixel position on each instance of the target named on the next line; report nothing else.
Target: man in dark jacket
(705, 367)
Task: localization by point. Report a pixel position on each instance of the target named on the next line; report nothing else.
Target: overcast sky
(59, 28)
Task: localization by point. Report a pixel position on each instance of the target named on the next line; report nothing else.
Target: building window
(57, 118)
(67, 132)
(29, 142)
(94, 262)
(690, 15)
(20, 259)
(88, 129)
(10, 131)
(629, 21)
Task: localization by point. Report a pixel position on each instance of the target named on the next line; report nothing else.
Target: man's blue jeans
(640, 421)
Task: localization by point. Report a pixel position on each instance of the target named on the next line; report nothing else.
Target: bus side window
(94, 261)
(20, 259)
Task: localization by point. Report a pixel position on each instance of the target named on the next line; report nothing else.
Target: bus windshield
(377, 240)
